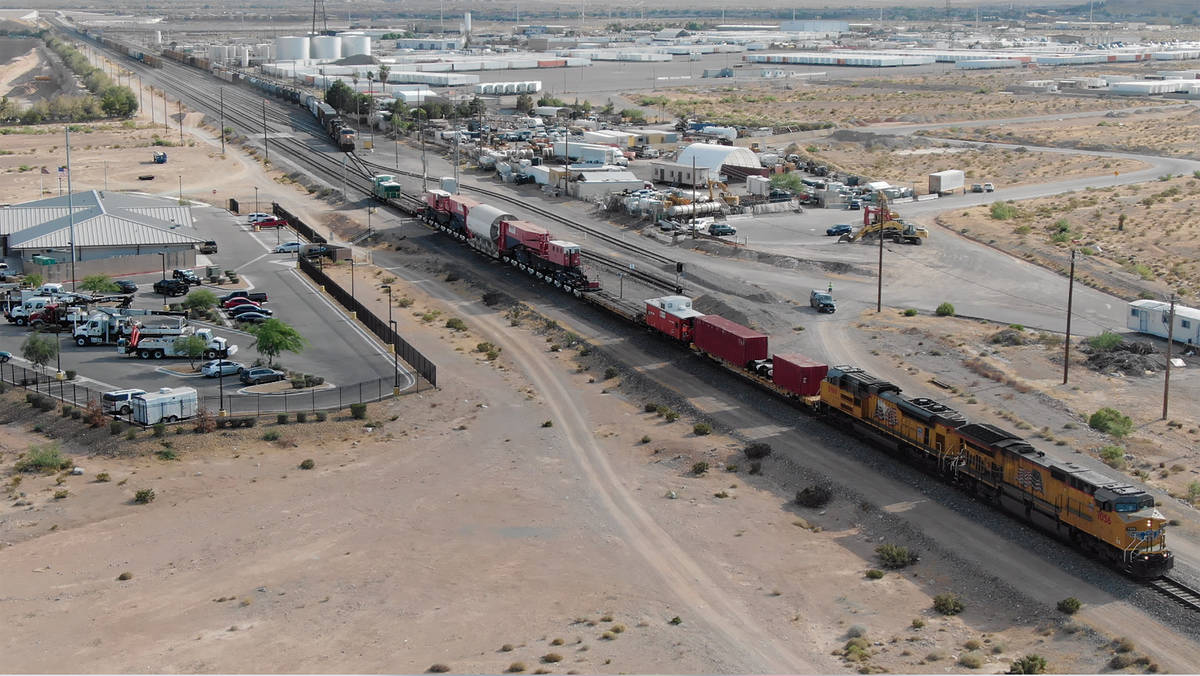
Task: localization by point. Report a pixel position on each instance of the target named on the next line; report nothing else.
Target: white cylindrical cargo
(291, 48)
(243, 56)
(467, 23)
(355, 44)
(326, 47)
(158, 37)
(484, 221)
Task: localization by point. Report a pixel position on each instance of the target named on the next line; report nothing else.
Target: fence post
(314, 405)
(360, 399)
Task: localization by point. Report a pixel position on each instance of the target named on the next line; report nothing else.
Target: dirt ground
(855, 103)
(909, 161)
(1170, 133)
(1135, 240)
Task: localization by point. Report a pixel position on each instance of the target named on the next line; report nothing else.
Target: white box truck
(945, 182)
(166, 405)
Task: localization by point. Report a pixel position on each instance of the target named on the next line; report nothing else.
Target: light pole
(58, 356)
(353, 313)
(256, 199)
(164, 276)
(395, 361)
(388, 290)
(221, 412)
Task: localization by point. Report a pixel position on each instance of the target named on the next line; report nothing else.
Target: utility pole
(693, 197)
(266, 148)
(221, 93)
(141, 99)
(1067, 342)
(879, 287)
(1170, 343)
(180, 103)
(165, 109)
(70, 208)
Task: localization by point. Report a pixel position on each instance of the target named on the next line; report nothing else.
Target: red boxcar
(729, 340)
(798, 374)
(672, 315)
(526, 234)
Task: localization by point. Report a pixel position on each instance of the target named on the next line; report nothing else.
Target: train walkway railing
(411, 356)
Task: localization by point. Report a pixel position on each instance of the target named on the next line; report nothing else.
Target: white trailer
(944, 182)
(1153, 317)
(165, 405)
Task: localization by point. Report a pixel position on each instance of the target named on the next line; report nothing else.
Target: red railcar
(672, 316)
(728, 340)
(798, 374)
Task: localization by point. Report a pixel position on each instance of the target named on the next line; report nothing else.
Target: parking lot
(337, 349)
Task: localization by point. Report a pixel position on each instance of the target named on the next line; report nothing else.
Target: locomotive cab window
(1133, 505)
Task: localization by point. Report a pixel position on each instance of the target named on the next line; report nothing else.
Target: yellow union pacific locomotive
(1111, 520)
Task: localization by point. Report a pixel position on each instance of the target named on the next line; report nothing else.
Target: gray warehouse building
(115, 233)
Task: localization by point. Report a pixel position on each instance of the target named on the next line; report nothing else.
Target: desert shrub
(456, 324)
(971, 660)
(1002, 211)
(125, 576)
(438, 669)
(515, 668)
(948, 604)
(918, 623)
(1113, 456)
(548, 423)
(910, 312)
(702, 429)
(160, 429)
(1029, 664)
(972, 644)
(1123, 645)
(857, 630)
(700, 468)
(42, 458)
(95, 413)
(322, 416)
(144, 496)
(205, 421)
(131, 434)
(945, 310)
(66, 411)
(270, 435)
(650, 407)
(70, 373)
(358, 411)
(281, 418)
(61, 494)
(166, 454)
(610, 373)
(301, 416)
(1121, 660)
(645, 438)
(1105, 341)
(1069, 605)
(249, 422)
(895, 556)
(874, 574)
(551, 658)
(46, 405)
(815, 496)
(103, 477)
(1111, 422)
(308, 463)
(757, 450)
(76, 414)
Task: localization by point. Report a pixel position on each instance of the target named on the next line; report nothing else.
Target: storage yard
(708, 474)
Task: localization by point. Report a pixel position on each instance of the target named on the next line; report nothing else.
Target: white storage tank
(355, 44)
(326, 47)
(216, 53)
(243, 56)
(291, 48)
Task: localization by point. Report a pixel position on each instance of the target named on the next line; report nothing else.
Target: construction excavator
(880, 221)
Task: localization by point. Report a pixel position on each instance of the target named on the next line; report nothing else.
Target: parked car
(119, 401)
(257, 216)
(721, 230)
(240, 300)
(287, 247)
(171, 287)
(208, 247)
(253, 317)
(186, 276)
(5, 356)
(237, 310)
(217, 367)
(822, 301)
(976, 187)
(668, 226)
(839, 229)
(126, 286)
(272, 223)
(256, 296)
(854, 205)
(259, 375)
(988, 187)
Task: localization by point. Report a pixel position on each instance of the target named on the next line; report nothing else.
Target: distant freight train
(334, 125)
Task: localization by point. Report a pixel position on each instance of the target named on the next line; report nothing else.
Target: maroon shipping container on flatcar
(798, 374)
(526, 234)
(729, 340)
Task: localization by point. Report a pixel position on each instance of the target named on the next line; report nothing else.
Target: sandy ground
(908, 162)
(14, 70)
(1134, 239)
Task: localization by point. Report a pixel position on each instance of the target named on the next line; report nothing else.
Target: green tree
(524, 104)
(99, 284)
(340, 96)
(200, 300)
(384, 71)
(192, 347)
(789, 181)
(118, 102)
(1029, 664)
(274, 336)
(1111, 421)
(39, 349)
(34, 280)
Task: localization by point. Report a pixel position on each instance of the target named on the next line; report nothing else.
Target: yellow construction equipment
(879, 221)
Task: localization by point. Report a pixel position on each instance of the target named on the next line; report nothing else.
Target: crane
(881, 221)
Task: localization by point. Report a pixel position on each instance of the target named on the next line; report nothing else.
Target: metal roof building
(106, 224)
(713, 156)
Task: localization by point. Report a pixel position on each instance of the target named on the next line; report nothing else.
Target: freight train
(333, 124)
(1108, 519)
(500, 235)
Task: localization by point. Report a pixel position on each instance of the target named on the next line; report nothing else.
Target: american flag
(1030, 479)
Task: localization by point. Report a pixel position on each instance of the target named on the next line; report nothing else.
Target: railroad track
(1177, 592)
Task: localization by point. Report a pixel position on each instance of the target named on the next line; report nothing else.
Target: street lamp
(221, 412)
(353, 313)
(58, 357)
(256, 199)
(395, 361)
(388, 290)
(164, 278)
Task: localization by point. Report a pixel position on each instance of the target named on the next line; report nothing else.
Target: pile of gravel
(1130, 358)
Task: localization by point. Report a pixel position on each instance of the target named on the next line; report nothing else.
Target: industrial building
(115, 233)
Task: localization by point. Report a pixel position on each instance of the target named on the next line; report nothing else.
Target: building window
(1133, 312)
(1187, 324)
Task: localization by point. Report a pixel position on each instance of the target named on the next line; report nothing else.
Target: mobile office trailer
(1154, 316)
(165, 405)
